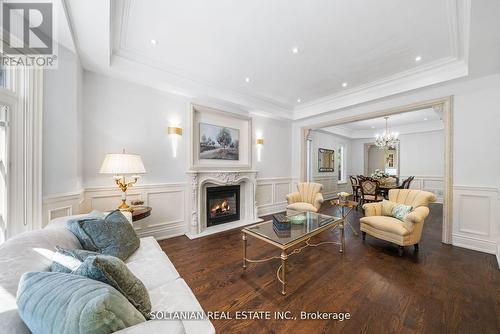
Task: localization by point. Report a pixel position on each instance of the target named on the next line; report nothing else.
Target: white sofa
(32, 251)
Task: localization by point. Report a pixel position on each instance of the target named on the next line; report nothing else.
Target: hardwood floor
(440, 289)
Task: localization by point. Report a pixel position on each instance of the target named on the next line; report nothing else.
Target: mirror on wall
(391, 161)
(382, 159)
(325, 160)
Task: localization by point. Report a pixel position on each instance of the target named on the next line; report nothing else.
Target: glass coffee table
(301, 228)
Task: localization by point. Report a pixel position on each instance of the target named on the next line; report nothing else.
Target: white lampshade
(122, 163)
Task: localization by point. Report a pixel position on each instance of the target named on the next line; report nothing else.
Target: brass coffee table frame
(281, 272)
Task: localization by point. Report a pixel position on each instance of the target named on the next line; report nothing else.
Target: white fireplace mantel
(201, 179)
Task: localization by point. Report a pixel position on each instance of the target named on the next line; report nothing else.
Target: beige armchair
(307, 198)
(403, 233)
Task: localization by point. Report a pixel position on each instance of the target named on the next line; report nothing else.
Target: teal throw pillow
(113, 235)
(400, 211)
(113, 271)
(59, 303)
(68, 260)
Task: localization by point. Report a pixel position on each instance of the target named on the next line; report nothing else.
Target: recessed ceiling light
(344, 84)
(425, 118)
(372, 127)
(154, 42)
(418, 58)
(247, 79)
(299, 100)
(295, 50)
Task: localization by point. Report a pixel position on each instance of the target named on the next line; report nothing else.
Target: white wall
(330, 179)
(61, 112)
(121, 115)
(118, 114)
(476, 159)
(421, 154)
(276, 151)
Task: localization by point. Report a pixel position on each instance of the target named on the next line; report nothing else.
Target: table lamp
(122, 165)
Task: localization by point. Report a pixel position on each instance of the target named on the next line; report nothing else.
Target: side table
(140, 212)
(343, 205)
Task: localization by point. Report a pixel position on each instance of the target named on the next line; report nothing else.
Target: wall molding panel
(168, 218)
(271, 194)
(60, 206)
(331, 186)
(476, 210)
(433, 184)
(164, 222)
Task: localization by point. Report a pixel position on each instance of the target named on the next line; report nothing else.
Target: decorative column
(194, 204)
(309, 140)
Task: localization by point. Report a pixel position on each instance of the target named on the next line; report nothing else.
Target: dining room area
(366, 159)
(375, 187)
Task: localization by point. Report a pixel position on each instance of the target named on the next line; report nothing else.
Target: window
(3, 170)
(341, 166)
(3, 77)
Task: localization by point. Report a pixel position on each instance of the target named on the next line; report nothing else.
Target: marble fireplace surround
(200, 180)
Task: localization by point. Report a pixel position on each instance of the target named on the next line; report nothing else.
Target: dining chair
(355, 187)
(392, 181)
(370, 191)
(406, 183)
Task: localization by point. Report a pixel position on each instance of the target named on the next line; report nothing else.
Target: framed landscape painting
(219, 142)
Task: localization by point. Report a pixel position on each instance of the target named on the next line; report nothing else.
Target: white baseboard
(498, 254)
(473, 243)
(270, 209)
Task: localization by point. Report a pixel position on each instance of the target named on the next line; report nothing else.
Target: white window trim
(341, 148)
(24, 211)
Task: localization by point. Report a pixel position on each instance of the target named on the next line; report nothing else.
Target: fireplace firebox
(223, 204)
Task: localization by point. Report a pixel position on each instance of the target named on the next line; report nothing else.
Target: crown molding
(438, 72)
(167, 78)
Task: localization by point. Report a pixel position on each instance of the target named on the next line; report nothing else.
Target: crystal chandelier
(388, 139)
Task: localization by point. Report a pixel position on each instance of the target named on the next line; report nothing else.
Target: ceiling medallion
(388, 140)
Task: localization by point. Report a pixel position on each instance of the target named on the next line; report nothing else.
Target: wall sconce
(174, 133)
(260, 143)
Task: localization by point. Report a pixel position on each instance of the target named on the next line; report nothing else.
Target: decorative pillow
(400, 211)
(113, 235)
(68, 260)
(60, 303)
(113, 271)
(387, 207)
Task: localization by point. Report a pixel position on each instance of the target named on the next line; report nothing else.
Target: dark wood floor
(441, 289)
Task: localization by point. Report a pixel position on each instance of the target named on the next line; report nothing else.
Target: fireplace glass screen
(223, 204)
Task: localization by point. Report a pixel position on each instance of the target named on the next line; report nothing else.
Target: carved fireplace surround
(200, 180)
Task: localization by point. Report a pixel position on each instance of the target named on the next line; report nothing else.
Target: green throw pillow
(387, 207)
(68, 260)
(59, 303)
(113, 271)
(400, 211)
(113, 235)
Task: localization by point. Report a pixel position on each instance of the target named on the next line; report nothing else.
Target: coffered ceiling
(290, 59)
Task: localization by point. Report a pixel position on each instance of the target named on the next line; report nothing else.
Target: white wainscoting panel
(433, 184)
(168, 200)
(60, 206)
(331, 187)
(170, 216)
(476, 211)
(271, 194)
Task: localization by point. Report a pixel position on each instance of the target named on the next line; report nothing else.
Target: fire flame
(220, 208)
